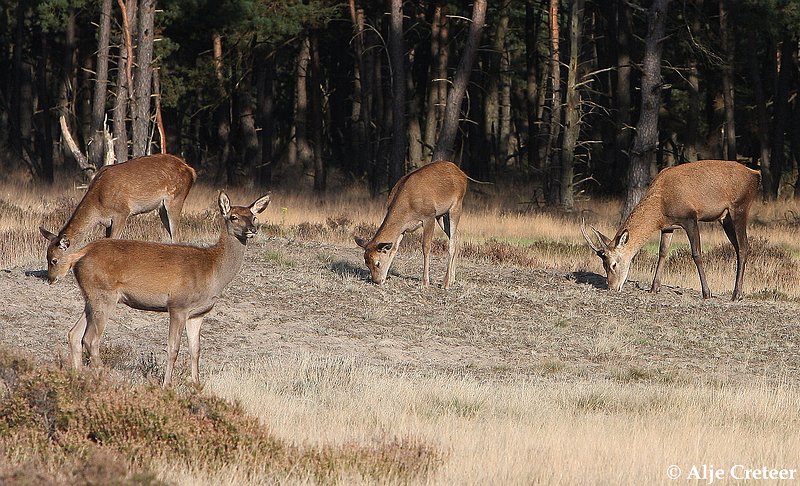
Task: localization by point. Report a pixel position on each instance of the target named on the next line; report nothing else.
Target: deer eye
(54, 261)
(234, 217)
(255, 220)
(377, 264)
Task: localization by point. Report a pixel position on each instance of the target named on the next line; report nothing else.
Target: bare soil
(498, 322)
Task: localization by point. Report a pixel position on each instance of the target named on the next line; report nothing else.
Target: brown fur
(119, 191)
(184, 280)
(432, 193)
(682, 196)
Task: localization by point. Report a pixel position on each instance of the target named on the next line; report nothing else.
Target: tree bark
(447, 135)
(96, 147)
(727, 83)
(572, 114)
(623, 88)
(361, 109)
(778, 155)
(491, 105)
(532, 21)
(129, 9)
(397, 160)
(550, 183)
(143, 79)
(265, 118)
(761, 115)
(317, 81)
(437, 90)
(304, 152)
(223, 112)
(645, 142)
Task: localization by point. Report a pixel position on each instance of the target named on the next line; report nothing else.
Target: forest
(569, 97)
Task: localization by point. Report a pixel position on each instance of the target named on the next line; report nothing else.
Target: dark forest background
(568, 97)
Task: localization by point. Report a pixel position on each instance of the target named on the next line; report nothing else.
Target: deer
(182, 280)
(122, 190)
(681, 197)
(434, 192)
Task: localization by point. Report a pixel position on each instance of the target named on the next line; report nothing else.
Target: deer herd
(186, 281)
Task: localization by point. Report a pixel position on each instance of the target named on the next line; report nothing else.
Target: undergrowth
(62, 427)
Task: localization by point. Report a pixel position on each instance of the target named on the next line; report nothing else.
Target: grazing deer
(184, 280)
(681, 196)
(119, 191)
(434, 192)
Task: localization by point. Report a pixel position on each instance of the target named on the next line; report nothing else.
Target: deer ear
(384, 247)
(623, 238)
(360, 241)
(48, 235)
(260, 204)
(224, 203)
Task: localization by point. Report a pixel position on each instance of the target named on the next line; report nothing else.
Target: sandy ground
(498, 322)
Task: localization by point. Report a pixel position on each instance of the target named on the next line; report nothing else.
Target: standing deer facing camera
(432, 193)
(681, 196)
(183, 280)
(119, 191)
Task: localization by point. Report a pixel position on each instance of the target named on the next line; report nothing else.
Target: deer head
(378, 258)
(614, 253)
(241, 221)
(57, 266)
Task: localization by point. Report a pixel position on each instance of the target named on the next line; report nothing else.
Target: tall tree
(397, 52)
(143, 78)
(645, 142)
(97, 144)
(129, 9)
(532, 20)
(572, 114)
(447, 136)
(727, 82)
(550, 156)
(437, 90)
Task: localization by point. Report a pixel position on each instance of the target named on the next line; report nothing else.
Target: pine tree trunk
(447, 136)
(97, 144)
(320, 170)
(551, 158)
(532, 21)
(129, 9)
(223, 113)
(304, 152)
(572, 114)
(361, 109)
(778, 155)
(437, 90)
(265, 118)
(727, 83)
(645, 142)
(143, 79)
(623, 89)
(491, 105)
(761, 115)
(397, 159)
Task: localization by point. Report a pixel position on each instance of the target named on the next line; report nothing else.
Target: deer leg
(693, 232)
(427, 239)
(452, 220)
(177, 321)
(117, 224)
(663, 250)
(736, 230)
(75, 337)
(98, 311)
(193, 335)
(170, 214)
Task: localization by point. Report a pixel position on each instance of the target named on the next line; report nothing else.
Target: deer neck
(228, 256)
(398, 220)
(80, 222)
(645, 219)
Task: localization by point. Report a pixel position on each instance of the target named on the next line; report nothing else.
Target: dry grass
(524, 432)
(89, 429)
(495, 228)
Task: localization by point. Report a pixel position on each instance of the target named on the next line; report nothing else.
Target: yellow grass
(523, 432)
(492, 213)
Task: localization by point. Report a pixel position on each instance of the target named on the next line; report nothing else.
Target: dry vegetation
(525, 372)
